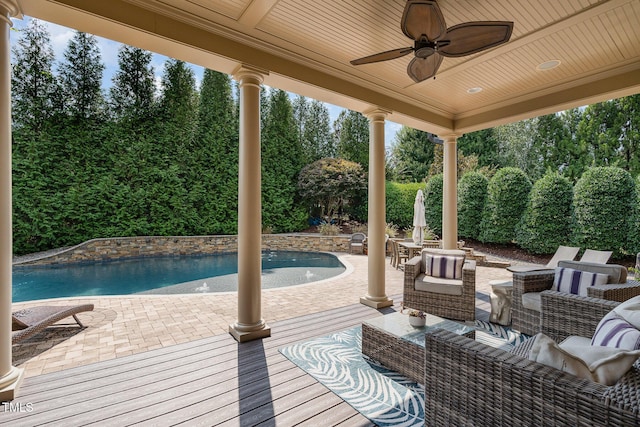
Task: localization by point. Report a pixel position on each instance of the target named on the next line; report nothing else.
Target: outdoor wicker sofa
(527, 320)
(450, 300)
(470, 383)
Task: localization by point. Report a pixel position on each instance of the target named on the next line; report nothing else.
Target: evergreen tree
(39, 155)
(133, 91)
(628, 123)
(317, 141)
(81, 76)
(411, 155)
(215, 193)
(483, 144)
(281, 164)
(34, 88)
(352, 134)
(472, 196)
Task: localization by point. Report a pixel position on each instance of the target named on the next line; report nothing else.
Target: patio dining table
(413, 248)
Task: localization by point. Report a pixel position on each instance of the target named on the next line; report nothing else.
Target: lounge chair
(598, 257)
(562, 253)
(30, 321)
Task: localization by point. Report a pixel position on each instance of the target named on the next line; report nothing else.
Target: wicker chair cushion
(576, 282)
(614, 331)
(617, 273)
(448, 267)
(604, 365)
(532, 301)
(438, 285)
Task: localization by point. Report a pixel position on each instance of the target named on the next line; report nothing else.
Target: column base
(376, 302)
(10, 384)
(243, 335)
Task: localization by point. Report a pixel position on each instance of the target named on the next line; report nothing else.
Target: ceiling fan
(423, 22)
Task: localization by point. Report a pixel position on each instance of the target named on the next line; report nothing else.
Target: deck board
(212, 381)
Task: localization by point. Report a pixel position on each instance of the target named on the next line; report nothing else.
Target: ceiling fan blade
(472, 37)
(423, 18)
(383, 56)
(420, 69)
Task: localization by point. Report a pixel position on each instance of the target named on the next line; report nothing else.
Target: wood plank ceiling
(307, 45)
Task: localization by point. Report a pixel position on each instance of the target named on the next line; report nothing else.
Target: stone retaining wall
(135, 247)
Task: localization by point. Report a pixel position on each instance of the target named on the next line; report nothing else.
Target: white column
(376, 296)
(250, 324)
(450, 192)
(10, 376)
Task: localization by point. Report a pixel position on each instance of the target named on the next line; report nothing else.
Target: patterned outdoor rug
(383, 396)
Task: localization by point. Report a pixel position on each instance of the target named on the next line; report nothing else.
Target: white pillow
(576, 282)
(604, 365)
(614, 331)
(448, 267)
(630, 311)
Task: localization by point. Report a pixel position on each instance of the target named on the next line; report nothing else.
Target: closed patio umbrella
(419, 221)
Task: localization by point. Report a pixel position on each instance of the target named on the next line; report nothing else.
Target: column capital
(10, 9)
(450, 137)
(248, 74)
(376, 114)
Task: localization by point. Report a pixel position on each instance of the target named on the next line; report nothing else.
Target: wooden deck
(214, 381)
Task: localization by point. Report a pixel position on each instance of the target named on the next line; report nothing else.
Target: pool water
(164, 274)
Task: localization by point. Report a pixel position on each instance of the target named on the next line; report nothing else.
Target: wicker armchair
(458, 307)
(527, 320)
(470, 383)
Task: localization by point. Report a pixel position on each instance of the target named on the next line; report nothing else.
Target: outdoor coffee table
(391, 341)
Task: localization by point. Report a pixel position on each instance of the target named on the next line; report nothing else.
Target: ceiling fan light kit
(423, 22)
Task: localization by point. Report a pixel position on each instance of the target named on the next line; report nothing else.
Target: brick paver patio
(125, 325)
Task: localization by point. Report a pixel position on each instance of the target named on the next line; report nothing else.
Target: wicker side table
(392, 342)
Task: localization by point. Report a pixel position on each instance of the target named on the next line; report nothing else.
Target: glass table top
(398, 324)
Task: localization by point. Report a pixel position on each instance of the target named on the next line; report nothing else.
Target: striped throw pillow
(614, 331)
(576, 281)
(448, 267)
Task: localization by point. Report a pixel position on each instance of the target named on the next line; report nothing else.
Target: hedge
(472, 196)
(547, 220)
(507, 195)
(433, 203)
(604, 201)
(399, 202)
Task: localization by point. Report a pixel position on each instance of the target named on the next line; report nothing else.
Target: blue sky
(60, 37)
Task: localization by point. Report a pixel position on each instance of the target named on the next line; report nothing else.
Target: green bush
(433, 203)
(399, 199)
(633, 244)
(472, 195)
(604, 200)
(547, 220)
(507, 195)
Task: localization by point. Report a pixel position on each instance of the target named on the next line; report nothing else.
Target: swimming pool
(168, 275)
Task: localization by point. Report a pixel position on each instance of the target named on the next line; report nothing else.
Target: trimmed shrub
(604, 200)
(472, 195)
(399, 199)
(633, 244)
(433, 203)
(547, 220)
(507, 195)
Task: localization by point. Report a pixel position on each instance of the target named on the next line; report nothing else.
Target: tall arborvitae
(81, 77)
(411, 155)
(131, 140)
(132, 93)
(81, 131)
(37, 158)
(352, 132)
(281, 164)
(317, 141)
(214, 192)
